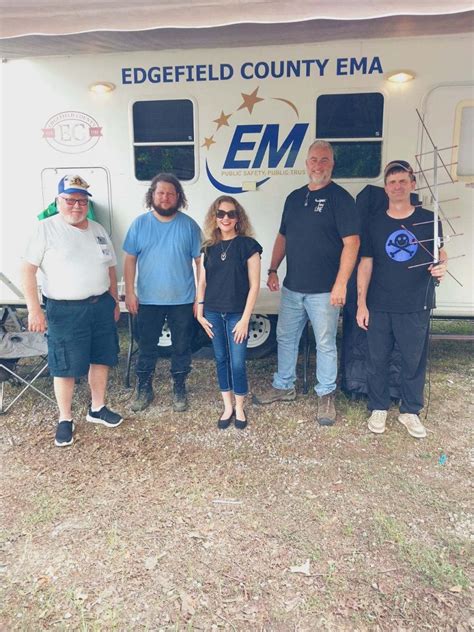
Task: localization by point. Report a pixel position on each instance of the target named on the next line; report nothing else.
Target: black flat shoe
(222, 424)
(240, 424)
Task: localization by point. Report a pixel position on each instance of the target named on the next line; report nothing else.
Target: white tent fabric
(30, 28)
(26, 17)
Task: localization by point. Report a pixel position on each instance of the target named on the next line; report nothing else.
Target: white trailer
(239, 120)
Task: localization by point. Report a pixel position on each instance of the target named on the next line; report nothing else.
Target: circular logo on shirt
(401, 245)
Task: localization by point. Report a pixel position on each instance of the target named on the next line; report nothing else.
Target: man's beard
(74, 221)
(165, 212)
(321, 179)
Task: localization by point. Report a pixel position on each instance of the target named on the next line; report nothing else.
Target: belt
(83, 301)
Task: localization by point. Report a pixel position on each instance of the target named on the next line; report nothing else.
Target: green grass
(113, 539)
(45, 510)
(445, 326)
(432, 563)
(435, 569)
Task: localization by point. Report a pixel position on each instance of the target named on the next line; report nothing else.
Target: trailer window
(353, 124)
(464, 133)
(163, 138)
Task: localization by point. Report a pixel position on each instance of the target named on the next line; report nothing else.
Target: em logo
(253, 149)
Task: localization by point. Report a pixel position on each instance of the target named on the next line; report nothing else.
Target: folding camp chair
(9, 306)
(14, 347)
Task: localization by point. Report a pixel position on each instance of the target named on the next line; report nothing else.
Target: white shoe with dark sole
(376, 421)
(413, 424)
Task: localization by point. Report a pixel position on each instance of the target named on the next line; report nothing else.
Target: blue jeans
(295, 309)
(230, 356)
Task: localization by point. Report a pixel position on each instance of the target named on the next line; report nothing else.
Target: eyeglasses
(220, 214)
(72, 202)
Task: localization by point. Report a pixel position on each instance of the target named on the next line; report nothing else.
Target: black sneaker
(64, 432)
(105, 417)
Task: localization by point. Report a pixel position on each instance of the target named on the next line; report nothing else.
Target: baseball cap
(398, 165)
(73, 184)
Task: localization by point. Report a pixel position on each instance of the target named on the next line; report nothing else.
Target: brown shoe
(327, 410)
(275, 395)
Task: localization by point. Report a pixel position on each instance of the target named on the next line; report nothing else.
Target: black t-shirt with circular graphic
(397, 286)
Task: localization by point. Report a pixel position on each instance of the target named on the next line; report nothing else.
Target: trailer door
(448, 115)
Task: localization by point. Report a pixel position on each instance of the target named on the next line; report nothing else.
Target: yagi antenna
(430, 221)
(428, 263)
(446, 238)
(431, 254)
(436, 151)
(433, 189)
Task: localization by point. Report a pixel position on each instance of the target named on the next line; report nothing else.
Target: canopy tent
(29, 28)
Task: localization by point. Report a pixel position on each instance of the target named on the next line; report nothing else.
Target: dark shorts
(81, 333)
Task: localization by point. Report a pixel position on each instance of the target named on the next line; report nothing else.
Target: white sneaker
(413, 424)
(376, 422)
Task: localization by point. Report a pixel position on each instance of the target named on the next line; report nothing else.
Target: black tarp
(370, 201)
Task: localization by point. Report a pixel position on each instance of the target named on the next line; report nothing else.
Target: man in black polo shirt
(319, 235)
(395, 292)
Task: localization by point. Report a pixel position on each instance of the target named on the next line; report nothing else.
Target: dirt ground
(166, 523)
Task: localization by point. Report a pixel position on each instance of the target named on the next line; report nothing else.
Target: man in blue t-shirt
(395, 294)
(319, 236)
(162, 244)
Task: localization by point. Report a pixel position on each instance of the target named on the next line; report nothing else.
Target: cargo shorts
(81, 333)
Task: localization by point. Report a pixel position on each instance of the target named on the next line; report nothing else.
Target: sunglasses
(72, 202)
(220, 214)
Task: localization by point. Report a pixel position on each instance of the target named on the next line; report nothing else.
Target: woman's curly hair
(212, 234)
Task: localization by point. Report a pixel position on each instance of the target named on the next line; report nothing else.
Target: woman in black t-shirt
(229, 283)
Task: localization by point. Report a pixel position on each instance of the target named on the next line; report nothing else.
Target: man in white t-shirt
(79, 283)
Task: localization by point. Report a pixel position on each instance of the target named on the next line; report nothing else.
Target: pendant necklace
(224, 252)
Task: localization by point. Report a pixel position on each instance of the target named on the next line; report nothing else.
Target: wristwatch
(270, 270)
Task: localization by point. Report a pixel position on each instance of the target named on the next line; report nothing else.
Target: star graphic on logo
(250, 100)
(222, 120)
(208, 142)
